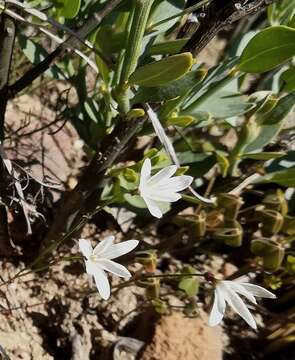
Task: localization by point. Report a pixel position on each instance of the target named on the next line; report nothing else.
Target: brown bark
(218, 15)
(7, 36)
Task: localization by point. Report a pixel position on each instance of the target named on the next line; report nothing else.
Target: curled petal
(165, 196)
(120, 249)
(240, 308)
(85, 247)
(104, 245)
(102, 283)
(241, 290)
(145, 174)
(177, 183)
(258, 291)
(153, 207)
(114, 268)
(218, 308)
(162, 175)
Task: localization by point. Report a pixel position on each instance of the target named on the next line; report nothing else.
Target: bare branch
(218, 15)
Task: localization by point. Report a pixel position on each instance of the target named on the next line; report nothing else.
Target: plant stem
(78, 202)
(134, 44)
(140, 16)
(7, 37)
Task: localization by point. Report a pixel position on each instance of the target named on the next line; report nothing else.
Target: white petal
(90, 267)
(177, 183)
(114, 268)
(102, 283)
(218, 308)
(162, 175)
(120, 249)
(104, 245)
(258, 291)
(239, 307)
(85, 247)
(165, 196)
(238, 288)
(145, 173)
(153, 207)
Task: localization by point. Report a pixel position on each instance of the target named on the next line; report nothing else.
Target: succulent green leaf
(288, 79)
(284, 177)
(171, 90)
(163, 71)
(69, 8)
(263, 155)
(268, 49)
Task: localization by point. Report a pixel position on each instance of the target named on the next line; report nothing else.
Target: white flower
(161, 187)
(100, 258)
(228, 292)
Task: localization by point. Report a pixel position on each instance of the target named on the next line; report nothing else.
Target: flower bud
(214, 219)
(200, 224)
(152, 287)
(276, 202)
(160, 306)
(289, 225)
(231, 236)
(135, 113)
(196, 222)
(148, 259)
(272, 221)
(271, 252)
(230, 204)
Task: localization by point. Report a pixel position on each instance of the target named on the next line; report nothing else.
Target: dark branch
(220, 14)
(7, 36)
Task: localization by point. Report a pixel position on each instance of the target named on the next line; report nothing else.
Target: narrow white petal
(238, 288)
(104, 245)
(165, 196)
(258, 291)
(120, 249)
(177, 183)
(90, 267)
(159, 130)
(114, 268)
(153, 207)
(162, 175)
(218, 308)
(102, 283)
(145, 173)
(85, 247)
(239, 307)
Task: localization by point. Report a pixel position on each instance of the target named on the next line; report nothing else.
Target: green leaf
(190, 285)
(164, 9)
(168, 47)
(283, 177)
(268, 49)
(263, 155)
(288, 79)
(222, 104)
(69, 8)
(172, 90)
(223, 162)
(273, 123)
(163, 71)
(181, 121)
(36, 53)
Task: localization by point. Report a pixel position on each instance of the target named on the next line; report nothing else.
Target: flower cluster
(163, 187)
